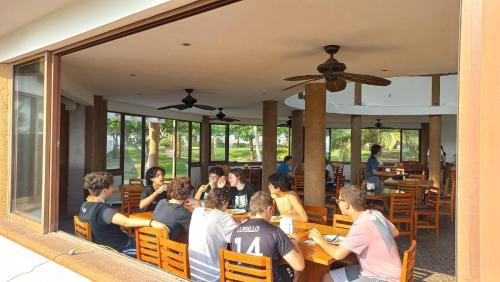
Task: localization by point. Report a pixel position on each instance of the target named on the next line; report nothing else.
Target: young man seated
(172, 212)
(258, 237)
(286, 166)
(371, 238)
(216, 179)
(155, 188)
(210, 230)
(240, 191)
(104, 221)
(287, 202)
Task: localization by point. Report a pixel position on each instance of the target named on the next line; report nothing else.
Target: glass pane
(245, 143)
(218, 142)
(26, 198)
(327, 143)
(411, 144)
(133, 148)
(182, 148)
(340, 148)
(113, 142)
(389, 139)
(283, 143)
(160, 144)
(195, 141)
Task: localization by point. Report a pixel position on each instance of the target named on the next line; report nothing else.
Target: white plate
(236, 211)
(332, 239)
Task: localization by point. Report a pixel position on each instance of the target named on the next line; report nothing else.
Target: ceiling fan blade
(205, 107)
(178, 107)
(303, 82)
(336, 85)
(304, 77)
(182, 107)
(230, 119)
(365, 79)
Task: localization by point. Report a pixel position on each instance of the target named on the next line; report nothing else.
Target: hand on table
(316, 236)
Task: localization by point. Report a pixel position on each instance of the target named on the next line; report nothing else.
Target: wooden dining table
(422, 185)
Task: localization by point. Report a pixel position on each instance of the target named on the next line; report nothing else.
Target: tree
(114, 131)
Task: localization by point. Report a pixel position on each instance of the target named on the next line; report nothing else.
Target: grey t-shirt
(176, 217)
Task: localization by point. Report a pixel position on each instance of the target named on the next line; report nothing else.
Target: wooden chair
(447, 201)
(402, 211)
(429, 212)
(409, 187)
(82, 229)
(299, 184)
(174, 257)
(243, 267)
(135, 181)
(342, 224)
(255, 177)
(147, 243)
(408, 266)
(316, 214)
(131, 197)
(416, 176)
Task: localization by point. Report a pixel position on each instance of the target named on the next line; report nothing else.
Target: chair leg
(415, 227)
(452, 212)
(437, 224)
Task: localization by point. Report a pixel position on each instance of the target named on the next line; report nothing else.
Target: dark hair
(280, 180)
(287, 158)
(95, 182)
(216, 170)
(375, 149)
(216, 198)
(355, 196)
(151, 173)
(260, 201)
(178, 188)
(238, 172)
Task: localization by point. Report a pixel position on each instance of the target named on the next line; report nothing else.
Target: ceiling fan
(288, 123)
(188, 102)
(378, 125)
(333, 72)
(220, 116)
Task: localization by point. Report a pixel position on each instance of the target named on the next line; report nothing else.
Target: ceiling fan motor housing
(189, 100)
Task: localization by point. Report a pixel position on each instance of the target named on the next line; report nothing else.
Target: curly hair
(217, 198)
(95, 182)
(179, 188)
(151, 173)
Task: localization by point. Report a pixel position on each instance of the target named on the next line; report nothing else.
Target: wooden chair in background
(136, 181)
(316, 214)
(299, 185)
(82, 229)
(174, 257)
(417, 176)
(131, 197)
(402, 212)
(427, 216)
(408, 265)
(410, 187)
(243, 267)
(342, 224)
(147, 243)
(447, 200)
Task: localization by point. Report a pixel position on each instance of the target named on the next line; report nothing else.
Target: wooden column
(424, 143)
(298, 136)
(435, 136)
(356, 138)
(478, 251)
(5, 102)
(205, 149)
(95, 135)
(154, 144)
(270, 122)
(314, 153)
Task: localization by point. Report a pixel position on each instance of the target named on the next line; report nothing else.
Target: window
(195, 142)
(182, 148)
(28, 135)
(132, 156)
(340, 145)
(167, 147)
(282, 143)
(411, 144)
(389, 139)
(245, 143)
(218, 142)
(113, 141)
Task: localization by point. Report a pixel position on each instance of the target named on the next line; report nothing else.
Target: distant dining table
(421, 187)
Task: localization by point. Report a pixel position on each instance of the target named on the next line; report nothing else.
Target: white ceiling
(15, 14)
(241, 53)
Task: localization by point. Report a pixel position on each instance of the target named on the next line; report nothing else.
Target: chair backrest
(408, 265)
(254, 177)
(243, 267)
(131, 197)
(299, 181)
(174, 257)
(432, 199)
(409, 187)
(147, 243)
(362, 172)
(339, 169)
(417, 176)
(82, 229)
(316, 214)
(135, 181)
(402, 204)
(342, 224)
(340, 181)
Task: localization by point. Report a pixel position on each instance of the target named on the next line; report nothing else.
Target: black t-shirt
(176, 217)
(241, 199)
(148, 190)
(260, 238)
(103, 231)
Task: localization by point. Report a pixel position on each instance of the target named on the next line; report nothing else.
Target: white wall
(76, 163)
(196, 176)
(449, 138)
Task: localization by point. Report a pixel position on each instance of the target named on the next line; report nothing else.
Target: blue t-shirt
(371, 164)
(283, 168)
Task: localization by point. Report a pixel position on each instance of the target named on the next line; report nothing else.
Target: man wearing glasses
(371, 238)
